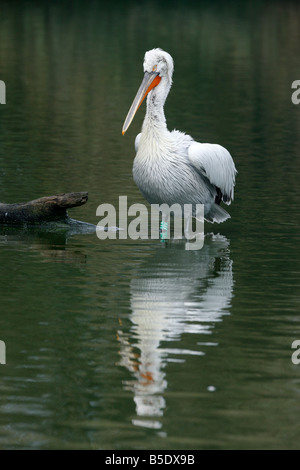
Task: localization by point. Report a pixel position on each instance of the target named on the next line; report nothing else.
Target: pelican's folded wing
(216, 163)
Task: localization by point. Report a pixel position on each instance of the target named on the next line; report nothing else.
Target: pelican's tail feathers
(217, 214)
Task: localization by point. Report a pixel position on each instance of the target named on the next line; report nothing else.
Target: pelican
(171, 167)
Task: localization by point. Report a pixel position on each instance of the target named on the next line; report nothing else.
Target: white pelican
(171, 167)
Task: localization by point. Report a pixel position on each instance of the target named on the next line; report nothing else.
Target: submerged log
(42, 210)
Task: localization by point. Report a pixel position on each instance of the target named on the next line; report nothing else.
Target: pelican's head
(158, 68)
(159, 61)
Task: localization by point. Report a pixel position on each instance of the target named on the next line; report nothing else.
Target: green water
(139, 344)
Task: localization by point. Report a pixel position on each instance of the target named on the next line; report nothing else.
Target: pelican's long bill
(150, 80)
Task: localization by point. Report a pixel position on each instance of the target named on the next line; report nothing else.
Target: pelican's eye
(154, 68)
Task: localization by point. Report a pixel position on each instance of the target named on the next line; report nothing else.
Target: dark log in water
(42, 210)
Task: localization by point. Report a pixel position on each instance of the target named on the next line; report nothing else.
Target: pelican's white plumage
(170, 167)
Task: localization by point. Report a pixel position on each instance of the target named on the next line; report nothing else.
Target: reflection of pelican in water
(175, 293)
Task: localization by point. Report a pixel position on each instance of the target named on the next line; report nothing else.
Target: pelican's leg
(187, 226)
(163, 233)
(163, 228)
(188, 222)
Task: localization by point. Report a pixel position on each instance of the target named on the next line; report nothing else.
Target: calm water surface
(139, 344)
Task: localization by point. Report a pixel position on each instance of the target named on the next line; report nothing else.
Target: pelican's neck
(155, 117)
